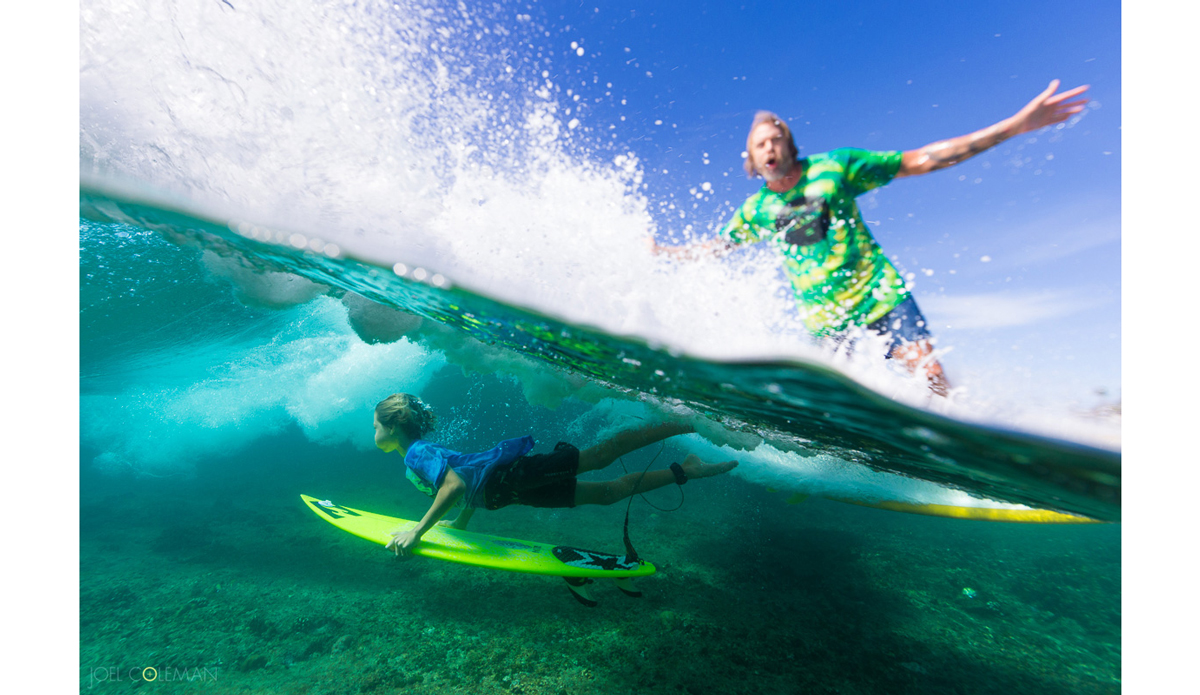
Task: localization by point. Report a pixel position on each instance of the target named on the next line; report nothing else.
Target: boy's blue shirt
(426, 464)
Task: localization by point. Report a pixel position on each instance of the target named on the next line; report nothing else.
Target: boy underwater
(507, 474)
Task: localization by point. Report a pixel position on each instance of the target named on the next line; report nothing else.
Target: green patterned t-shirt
(838, 273)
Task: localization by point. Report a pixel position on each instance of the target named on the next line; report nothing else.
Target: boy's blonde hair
(406, 412)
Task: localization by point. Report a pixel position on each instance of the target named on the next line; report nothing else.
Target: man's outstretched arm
(716, 247)
(1046, 109)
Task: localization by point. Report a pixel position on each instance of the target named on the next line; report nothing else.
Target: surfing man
(806, 210)
(507, 474)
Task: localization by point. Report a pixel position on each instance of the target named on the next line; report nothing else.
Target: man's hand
(403, 542)
(1048, 108)
(716, 247)
(657, 249)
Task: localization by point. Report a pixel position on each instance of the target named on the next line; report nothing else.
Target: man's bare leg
(918, 354)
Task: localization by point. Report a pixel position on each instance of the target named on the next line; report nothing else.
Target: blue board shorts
(536, 480)
(902, 325)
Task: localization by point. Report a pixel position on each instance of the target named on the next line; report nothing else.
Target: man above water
(806, 210)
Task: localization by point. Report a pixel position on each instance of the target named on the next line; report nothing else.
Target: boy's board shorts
(535, 480)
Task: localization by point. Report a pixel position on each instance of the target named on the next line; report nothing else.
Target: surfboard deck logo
(576, 557)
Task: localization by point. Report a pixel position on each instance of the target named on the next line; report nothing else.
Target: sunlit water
(288, 218)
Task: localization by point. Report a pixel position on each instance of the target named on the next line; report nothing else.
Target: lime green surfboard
(482, 550)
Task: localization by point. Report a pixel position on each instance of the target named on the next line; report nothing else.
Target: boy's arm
(451, 489)
(464, 518)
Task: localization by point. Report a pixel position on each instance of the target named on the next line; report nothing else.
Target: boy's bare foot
(693, 467)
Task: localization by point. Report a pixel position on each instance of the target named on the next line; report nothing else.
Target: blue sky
(1016, 254)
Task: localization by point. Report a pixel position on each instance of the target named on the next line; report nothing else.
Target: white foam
(318, 375)
(780, 465)
(419, 133)
(318, 118)
(829, 476)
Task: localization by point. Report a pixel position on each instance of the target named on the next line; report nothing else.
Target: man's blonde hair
(406, 412)
(768, 117)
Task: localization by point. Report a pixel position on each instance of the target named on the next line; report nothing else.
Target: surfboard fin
(797, 498)
(581, 592)
(625, 584)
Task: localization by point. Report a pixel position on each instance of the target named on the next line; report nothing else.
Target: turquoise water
(289, 212)
(785, 411)
(203, 418)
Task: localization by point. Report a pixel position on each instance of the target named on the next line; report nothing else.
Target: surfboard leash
(630, 553)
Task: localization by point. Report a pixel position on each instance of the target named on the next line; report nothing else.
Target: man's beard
(781, 171)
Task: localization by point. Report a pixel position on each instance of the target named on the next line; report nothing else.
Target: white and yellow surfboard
(1010, 513)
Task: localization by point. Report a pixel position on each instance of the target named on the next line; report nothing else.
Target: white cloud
(1062, 233)
(1070, 240)
(1004, 309)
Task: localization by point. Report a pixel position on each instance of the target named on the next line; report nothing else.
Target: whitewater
(461, 148)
